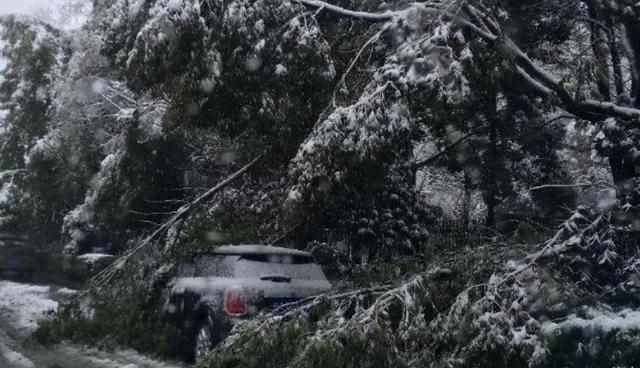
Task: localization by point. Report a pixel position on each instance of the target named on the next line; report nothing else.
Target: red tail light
(234, 302)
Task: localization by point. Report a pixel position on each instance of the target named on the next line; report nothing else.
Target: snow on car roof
(238, 250)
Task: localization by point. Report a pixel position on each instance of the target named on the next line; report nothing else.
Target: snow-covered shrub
(538, 312)
(370, 328)
(558, 306)
(130, 316)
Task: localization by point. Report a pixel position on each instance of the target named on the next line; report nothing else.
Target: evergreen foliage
(528, 109)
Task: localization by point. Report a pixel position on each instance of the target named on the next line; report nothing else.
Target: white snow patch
(175, 4)
(294, 195)
(91, 258)
(99, 86)
(260, 45)
(5, 192)
(77, 356)
(259, 26)
(605, 321)
(66, 292)
(281, 69)
(22, 305)
(15, 359)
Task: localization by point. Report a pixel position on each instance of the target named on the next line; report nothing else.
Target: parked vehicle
(230, 283)
(17, 258)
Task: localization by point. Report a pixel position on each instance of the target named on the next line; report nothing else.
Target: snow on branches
(175, 40)
(348, 137)
(535, 312)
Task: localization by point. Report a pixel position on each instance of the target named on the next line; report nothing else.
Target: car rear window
(254, 265)
(279, 258)
(208, 265)
(295, 267)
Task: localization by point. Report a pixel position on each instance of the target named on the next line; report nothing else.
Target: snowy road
(21, 306)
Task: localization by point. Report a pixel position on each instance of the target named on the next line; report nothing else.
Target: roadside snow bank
(22, 305)
(15, 359)
(114, 359)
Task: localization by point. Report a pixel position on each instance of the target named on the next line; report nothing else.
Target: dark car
(17, 258)
(230, 283)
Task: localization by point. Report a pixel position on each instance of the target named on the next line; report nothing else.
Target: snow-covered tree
(33, 53)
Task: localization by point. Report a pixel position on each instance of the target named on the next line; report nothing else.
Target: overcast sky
(47, 10)
(22, 6)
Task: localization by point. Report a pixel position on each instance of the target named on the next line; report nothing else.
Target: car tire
(208, 334)
(205, 339)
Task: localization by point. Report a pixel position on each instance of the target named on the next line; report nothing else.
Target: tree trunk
(632, 28)
(623, 172)
(492, 179)
(621, 95)
(466, 205)
(599, 46)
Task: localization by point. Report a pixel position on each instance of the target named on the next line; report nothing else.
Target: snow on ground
(22, 305)
(15, 359)
(116, 359)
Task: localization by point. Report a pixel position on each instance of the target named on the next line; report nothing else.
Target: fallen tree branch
(104, 277)
(11, 173)
(343, 79)
(559, 186)
(368, 16)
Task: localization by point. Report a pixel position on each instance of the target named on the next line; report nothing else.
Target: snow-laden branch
(358, 310)
(543, 81)
(560, 186)
(478, 22)
(533, 83)
(352, 64)
(11, 173)
(368, 16)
